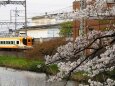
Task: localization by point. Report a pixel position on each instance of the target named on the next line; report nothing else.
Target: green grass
(31, 65)
(26, 64)
(78, 76)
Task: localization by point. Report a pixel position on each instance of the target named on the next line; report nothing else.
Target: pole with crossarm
(17, 3)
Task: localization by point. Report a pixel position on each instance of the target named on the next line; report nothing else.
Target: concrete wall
(43, 21)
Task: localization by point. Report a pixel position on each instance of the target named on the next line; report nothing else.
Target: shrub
(45, 48)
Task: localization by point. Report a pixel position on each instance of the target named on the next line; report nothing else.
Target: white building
(48, 19)
(42, 20)
(45, 27)
(41, 31)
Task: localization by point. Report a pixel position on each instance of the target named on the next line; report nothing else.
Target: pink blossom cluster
(69, 56)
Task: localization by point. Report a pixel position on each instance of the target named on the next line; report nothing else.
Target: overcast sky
(35, 7)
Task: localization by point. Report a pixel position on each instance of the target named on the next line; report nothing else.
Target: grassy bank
(26, 64)
(31, 65)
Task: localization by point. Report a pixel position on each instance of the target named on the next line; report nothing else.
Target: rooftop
(40, 27)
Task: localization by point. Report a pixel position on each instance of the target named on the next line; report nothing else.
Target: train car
(16, 42)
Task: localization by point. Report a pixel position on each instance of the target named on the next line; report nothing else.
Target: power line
(23, 3)
(12, 2)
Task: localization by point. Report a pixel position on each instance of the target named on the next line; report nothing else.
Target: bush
(45, 48)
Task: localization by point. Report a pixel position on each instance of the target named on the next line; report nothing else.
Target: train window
(17, 42)
(32, 41)
(11, 42)
(24, 41)
(28, 40)
(6, 42)
(3, 42)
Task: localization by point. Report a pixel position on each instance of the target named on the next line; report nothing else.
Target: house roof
(45, 16)
(41, 27)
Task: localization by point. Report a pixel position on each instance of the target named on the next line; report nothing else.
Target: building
(105, 22)
(48, 19)
(41, 32)
(44, 27)
(43, 20)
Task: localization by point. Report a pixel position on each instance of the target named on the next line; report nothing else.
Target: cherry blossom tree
(101, 57)
(93, 53)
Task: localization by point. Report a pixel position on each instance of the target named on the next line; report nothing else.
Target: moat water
(11, 77)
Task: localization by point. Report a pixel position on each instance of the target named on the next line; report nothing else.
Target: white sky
(35, 7)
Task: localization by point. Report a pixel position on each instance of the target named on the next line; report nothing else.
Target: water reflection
(11, 77)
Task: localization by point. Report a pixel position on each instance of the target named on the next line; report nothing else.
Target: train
(16, 42)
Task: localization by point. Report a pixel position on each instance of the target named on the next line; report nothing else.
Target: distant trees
(66, 29)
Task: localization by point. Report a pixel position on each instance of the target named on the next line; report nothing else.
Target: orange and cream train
(16, 42)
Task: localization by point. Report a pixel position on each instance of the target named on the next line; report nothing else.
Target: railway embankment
(15, 53)
(27, 64)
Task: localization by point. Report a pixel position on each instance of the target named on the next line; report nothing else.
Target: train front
(27, 42)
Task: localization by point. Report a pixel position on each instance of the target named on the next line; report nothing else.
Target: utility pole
(78, 25)
(82, 21)
(10, 15)
(83, 4)
(25, 18)
(16, 13)
(76, 5)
